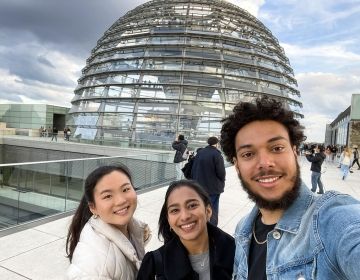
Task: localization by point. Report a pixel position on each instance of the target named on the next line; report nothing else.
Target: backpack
(185, 154)
(187, 168)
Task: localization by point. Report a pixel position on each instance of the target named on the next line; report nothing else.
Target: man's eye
(107, 196)
(278, 148)
(126, 189)
(247, 155)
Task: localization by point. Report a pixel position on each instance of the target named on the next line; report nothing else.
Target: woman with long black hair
(104, 240)
(193, 248)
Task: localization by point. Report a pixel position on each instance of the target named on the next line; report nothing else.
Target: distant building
(170, 67)
(33, 116)
(345, 129)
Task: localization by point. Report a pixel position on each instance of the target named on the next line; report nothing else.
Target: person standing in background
(179, 145)
(54, 133)
(209, 171)
(356, 157)
(316, 159)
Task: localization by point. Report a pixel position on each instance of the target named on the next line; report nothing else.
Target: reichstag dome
(172, 67)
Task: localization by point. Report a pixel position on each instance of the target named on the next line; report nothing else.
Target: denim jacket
(318, 237)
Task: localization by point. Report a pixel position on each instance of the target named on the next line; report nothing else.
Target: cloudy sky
(44, 45)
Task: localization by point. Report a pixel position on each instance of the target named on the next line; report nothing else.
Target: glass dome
(172, 67)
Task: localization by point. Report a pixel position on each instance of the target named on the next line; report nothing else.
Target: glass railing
(29, 191)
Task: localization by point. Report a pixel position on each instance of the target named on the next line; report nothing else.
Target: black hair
(181, 137)
(83, 213)
(212, 140)
(263, 109)
(164, 226)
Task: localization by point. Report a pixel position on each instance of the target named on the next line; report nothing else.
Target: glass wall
(30, 191)
(171, 67)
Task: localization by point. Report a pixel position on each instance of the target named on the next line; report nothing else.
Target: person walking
(345, 161)
(316, 159)
(68, 134)
(290, 233)
(54, 133)
(180, 147)
(209, 171)
(356, 157)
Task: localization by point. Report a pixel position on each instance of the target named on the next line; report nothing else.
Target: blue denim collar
(291, 219)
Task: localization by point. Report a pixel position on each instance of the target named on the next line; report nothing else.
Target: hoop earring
(170, 228)
(95, 216)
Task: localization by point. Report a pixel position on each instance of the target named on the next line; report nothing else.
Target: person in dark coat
(316, 159)
(209, 171)
(193, 248)
(179, 145)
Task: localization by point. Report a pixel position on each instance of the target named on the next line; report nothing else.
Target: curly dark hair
(261, 110)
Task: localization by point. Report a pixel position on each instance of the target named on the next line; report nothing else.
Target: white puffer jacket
(103, 252)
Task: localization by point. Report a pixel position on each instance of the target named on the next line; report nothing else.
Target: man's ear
(236, 165)
(295, 151)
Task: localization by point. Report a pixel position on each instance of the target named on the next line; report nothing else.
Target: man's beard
(283, 202)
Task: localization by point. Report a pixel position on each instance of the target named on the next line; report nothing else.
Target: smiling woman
(104, 240)
(201, 250)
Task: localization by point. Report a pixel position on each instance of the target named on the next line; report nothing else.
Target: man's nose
(265, 159)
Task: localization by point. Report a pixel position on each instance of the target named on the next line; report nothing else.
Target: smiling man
(290, 233)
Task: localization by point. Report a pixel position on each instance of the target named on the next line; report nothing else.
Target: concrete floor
(39, 253)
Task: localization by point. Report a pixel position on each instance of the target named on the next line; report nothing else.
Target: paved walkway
(39, 253)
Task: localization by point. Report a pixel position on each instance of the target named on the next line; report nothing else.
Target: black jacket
(209, 170)
(316, 161)
(179, 147)
(177, 265)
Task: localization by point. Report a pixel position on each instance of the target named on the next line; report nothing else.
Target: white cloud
(315, 126)
(252, 6)
(324, 97)
(333, 51)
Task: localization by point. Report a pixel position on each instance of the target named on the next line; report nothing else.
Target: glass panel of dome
(164, 52)
(202, 66)
(162, 78)
(209, 54)
(156, 108)
(238, 57)
(121, 92)
(89, 106)
(117, 120)
(90, 120)
(123, 107)
(239, 70)
(154, 91)
(124, 78)
(202, 80)
(239, 82)
(85, 133)
(114, 134)
(167, 40)
(94, 92)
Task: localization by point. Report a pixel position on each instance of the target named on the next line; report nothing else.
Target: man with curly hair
(290, 233)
